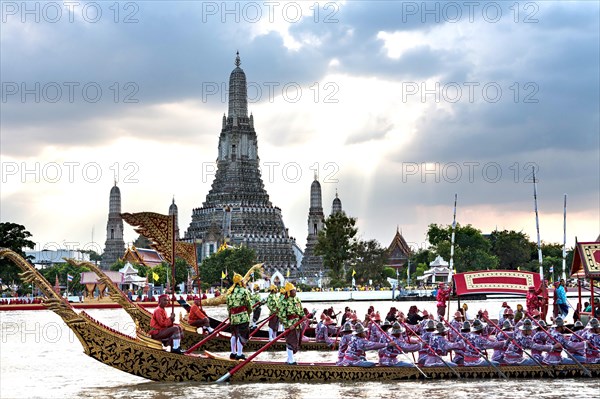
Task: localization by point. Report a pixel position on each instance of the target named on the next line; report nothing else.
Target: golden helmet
(273, 288)
(256, 287)
(289, 287)
(237, 278)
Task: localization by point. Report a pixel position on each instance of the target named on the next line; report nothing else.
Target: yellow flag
(155, 276)
(353, 272)
(288, 272)
(223, 275)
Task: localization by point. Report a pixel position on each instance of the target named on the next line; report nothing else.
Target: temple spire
(238, 99)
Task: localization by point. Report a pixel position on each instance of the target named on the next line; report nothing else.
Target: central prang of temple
(237, 209)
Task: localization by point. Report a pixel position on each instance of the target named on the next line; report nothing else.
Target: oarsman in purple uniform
(498, 355)
(535, 315)
(574, 339)
(554, 357)
(385, 326)
(508, 315)
(441, 346)
(322, 332)
(457, 323)
(524, 339)
(592, 355)
(429, 329)
(482, 315)
(423, 323)
(459, 352)
(344, 341)
(388, 356)
(540, 338)
(355, 354)
(374, 332)
(473, 357)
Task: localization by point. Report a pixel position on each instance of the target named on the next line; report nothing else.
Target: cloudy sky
(396, 105)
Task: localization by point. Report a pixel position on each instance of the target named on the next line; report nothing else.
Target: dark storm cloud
(174, 52)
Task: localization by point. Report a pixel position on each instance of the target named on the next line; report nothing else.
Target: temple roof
(586, 260)
(399, 243)
(173, 207)
(438, 262)
(92, 278)
(144, 256)
(336, 206)
(128, 269)
(315, 195)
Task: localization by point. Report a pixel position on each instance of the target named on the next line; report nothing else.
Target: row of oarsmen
(469, 343)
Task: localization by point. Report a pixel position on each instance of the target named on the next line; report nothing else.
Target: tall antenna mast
(537, 226)
(452, 241)
(564, 259)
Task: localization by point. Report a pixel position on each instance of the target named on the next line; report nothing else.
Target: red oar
(585, 371)
(391, 340)
(217, 330)
(514, 341)
(581, 338)
(261, 326)
(224, 324)
(476, 349)
(430, 349)
(336, 338)
(234, 370)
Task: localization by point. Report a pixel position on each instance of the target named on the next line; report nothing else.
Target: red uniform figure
(532, 301)
(162, 328)
(542, 293)
(443, 294)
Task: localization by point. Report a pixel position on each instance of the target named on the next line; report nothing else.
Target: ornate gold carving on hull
(139, 315)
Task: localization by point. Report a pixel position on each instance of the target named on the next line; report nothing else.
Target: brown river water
(41, 358)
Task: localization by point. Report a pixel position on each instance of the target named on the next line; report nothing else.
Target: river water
(41, 358)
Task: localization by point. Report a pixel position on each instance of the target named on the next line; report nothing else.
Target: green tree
(238, 260)
(368, 262)
(181, 272)
(337, 243)
(95, 257)
(118, 265)
(142, 242)
(471, 259)
(13, 236)
(471, 248)
(511, 248)
(419, 271)
(551, 258)
(62, 270)
(419, 263)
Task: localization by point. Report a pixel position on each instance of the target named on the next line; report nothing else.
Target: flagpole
(173, 263)
(537, 226)
(564, 259)
(452, 241)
